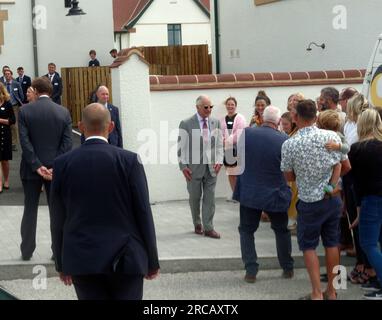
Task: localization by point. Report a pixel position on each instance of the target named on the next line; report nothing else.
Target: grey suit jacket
(45, 130)
(195, 154)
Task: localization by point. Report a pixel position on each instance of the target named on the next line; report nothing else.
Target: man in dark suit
(115, 136)
(102, 226)
(262, 187)
(2, 78)
(25, 82)
(17, 97)
(45, 130)
(56, 81)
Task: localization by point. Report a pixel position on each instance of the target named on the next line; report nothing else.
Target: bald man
(115, 136)
(102, 227)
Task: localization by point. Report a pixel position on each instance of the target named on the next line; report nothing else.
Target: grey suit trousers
(202, 188)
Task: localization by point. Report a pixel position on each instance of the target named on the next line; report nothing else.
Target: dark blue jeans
(370, 226)
(249, 223)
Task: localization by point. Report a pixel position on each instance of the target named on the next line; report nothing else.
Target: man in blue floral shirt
(306, 160)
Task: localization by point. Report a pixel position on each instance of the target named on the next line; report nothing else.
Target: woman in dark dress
(7, 118)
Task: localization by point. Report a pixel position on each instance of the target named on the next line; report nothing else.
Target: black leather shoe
(287, 274)
(26, 258)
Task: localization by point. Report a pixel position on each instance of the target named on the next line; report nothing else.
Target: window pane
(174, 34)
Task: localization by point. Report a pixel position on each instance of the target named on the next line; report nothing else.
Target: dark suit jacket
(96, 217)
(115, 137)
(45, 130)
(262, 184)
(57, 87)
(17, 91)
(25, 84)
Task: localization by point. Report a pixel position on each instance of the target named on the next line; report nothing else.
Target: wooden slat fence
(78, 85)
(178, 60)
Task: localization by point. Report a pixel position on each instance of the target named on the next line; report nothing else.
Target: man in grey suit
(200, 156)
(45, 130)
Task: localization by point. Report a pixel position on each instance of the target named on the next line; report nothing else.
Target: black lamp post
(74, 10)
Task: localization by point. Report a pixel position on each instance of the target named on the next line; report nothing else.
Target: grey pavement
(180, 249)
(223, 285)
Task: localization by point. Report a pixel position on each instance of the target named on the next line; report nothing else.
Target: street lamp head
(75, 10)
(322, 46)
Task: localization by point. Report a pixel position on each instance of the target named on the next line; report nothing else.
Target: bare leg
(232, 182)
(5, 168)
(332, 259)
(313, 266)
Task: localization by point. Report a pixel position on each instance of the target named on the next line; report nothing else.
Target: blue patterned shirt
(305, 154)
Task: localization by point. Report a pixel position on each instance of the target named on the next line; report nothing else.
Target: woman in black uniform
(7, 118)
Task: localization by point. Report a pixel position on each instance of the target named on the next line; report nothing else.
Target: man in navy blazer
(102, 227)
(262, 187)
(115, 136)
(56, 81)
(24, 81)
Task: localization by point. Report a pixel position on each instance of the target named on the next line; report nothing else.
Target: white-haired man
(262, 187)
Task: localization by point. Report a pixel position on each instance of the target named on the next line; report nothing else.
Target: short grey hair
(272, 114)
(200, 99)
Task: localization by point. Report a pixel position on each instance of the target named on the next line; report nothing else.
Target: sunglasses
(206, 107)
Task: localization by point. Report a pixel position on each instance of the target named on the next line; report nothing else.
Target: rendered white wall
(17, 48)
(65, 40)
(274, 37)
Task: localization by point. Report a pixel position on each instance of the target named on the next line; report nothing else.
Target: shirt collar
(200, 118)
(306, 129)
(97, 137)
(44, 96)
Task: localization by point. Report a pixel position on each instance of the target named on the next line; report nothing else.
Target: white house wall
(274, 37)
(17, 48)
(65, 41)
(151, 29)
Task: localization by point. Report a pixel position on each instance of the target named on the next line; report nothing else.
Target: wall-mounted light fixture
(74, 9)
(313, 43)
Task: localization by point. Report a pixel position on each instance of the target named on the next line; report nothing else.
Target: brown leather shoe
(250, 278)
(199, 229)
(212, 234)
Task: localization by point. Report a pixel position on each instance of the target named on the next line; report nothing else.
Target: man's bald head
(96, 120)
(102, 94)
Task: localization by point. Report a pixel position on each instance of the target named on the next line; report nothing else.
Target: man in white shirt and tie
(56, 81)
(24, 81)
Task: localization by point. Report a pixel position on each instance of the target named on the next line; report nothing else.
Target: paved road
(225, 285)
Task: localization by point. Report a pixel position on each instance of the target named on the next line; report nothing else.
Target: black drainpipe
(217, 37)
(34, 36)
